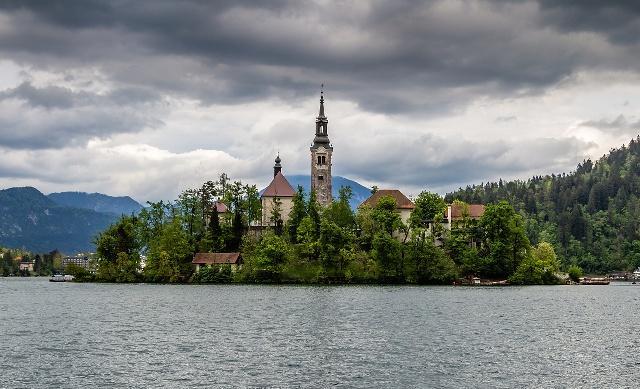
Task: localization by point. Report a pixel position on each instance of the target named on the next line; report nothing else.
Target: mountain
(31, 220)
(360, 193)
(97, 202)
(591, 215)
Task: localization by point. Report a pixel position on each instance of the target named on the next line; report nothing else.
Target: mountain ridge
(33, 221)
(97, 202)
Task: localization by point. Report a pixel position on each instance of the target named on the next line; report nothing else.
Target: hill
(360, 192)
(31, 220)
(591, 215)
(97, 202)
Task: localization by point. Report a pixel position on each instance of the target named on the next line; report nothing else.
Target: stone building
(321, 152)
(278, 193)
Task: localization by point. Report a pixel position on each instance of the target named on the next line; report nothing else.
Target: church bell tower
(321, 151)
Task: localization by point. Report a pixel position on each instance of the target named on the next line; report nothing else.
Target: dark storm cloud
(52, 116)
(48, 97)
(618, 20)
(393, 57)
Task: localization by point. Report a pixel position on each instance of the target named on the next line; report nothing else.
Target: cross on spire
(321, 100)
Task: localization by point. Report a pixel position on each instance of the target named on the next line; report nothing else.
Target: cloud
(617, 20)
(424, 58)
(619, 125)
(437, 162)
(148, 97)
(53, 116)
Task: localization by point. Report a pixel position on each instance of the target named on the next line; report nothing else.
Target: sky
(149, 98)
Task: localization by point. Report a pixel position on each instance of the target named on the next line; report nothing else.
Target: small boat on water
(594, 281)
(60, 278)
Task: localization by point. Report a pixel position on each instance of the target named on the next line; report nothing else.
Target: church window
(324, 160)
(319, 160)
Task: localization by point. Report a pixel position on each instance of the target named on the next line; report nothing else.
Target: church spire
(321, 115)
(321, 123)
(321, 152)
(277, 168)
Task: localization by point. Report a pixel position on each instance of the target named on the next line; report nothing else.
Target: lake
(120, 336)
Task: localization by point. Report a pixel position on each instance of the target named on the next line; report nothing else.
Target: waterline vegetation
(331, 244)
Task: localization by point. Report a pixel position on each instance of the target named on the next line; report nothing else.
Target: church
(279, 193)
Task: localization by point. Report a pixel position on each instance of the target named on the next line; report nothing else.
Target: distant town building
(321, 153)
(81, 260)
(234, 260)
(26, 266)
(279, 194)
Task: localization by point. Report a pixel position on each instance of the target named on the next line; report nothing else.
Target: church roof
(402, 201)
(279, 187)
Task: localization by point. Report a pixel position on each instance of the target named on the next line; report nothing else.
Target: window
(319, 160)
(324, 161)
(320, 178)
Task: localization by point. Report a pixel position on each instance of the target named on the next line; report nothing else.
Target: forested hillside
(591, 216)
(98, 202)
(32, 221)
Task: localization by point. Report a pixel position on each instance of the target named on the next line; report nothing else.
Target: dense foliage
(330, 244)
(159, 243)
(590, 216)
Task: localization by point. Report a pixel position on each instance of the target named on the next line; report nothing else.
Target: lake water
(71, 335)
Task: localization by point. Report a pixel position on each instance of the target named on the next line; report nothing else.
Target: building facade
(278, 195)
(79, 260)
(321, 153)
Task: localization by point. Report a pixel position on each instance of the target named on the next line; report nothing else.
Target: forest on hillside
(591, 216)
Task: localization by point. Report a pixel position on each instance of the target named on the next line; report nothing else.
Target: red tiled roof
(279, 187)
(402, 201)
(217, 258)
(221, 207)
(475, 211)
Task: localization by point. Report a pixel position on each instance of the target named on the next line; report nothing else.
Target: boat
(594, 281)
(61, 278)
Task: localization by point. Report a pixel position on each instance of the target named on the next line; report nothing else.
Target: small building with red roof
(234, 260)
(279, 191)
(457, 212)
(403, 204)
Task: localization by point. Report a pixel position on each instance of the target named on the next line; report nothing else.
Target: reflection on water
(93, 335)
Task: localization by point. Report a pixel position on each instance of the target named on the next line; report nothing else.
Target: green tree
(333, 244)
(339, 212)
(429, 264)
(298, 212)
(387, 252)
(169, 257)
(575, 273)
(118, 251)
(386, 215)
(504, 242)
(429, 208)
(276, 216)
(538, 268)
(313, 210)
